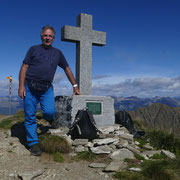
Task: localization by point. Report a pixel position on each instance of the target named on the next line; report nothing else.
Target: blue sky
(141, 56)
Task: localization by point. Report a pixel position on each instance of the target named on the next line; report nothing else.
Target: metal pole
(10, 81)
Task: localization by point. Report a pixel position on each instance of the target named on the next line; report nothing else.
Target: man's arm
(22, 76)
(70, 76)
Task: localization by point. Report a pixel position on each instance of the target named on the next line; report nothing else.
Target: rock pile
(116, 142)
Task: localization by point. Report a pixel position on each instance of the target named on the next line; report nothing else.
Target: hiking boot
(53, 124)
(35, 150)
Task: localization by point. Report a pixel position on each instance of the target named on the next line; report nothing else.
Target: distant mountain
(158, 116)
(128, 103)
(16, 105)
(133, 102)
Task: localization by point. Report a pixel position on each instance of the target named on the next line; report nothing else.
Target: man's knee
(49, 114)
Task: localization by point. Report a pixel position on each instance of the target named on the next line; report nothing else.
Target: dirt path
(17, 163)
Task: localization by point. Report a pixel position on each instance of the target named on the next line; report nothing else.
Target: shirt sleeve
(63, 63)
(28, 56)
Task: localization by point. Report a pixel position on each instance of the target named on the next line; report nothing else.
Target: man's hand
(76, 91)
(22, 92)
(22, 76)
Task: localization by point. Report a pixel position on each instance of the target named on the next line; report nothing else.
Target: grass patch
(53, 144)
(86, 155)
(156, 170)
(9, 122)
(163, 140)
(142, 142)
(58, 157)
(166, 169)
(158, 156)
(91, 157)
(139, 157)
(128, 176)
(127, 160)
(6, 124)
(19, 116)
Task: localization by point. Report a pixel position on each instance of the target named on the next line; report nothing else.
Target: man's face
(47, 37)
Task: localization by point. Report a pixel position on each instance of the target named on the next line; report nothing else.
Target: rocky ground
(17, 163)
(115, 143)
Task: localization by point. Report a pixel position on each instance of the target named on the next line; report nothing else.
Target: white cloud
(58, 77)
(100, 76)
(4, 87)
(112, 86)
(141, 87)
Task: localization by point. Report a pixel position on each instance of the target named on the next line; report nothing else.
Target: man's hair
(47, 27)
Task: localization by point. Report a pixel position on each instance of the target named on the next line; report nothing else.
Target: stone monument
(101, 107)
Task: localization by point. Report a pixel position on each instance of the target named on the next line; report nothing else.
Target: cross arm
(70, 33)
(99, 38)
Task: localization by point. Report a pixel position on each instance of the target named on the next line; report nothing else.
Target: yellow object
(10, 78)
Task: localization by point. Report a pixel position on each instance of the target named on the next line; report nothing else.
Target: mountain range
(158, 112)
(158, 116)
(120, 103)
(133, 102)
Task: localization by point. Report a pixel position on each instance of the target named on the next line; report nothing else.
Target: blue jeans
(31, 100)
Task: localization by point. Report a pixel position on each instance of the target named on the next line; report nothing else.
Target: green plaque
(94, 107)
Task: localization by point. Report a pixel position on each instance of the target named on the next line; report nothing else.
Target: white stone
(127, 136)
(106, 129)
(149, 154)
(101, 150)
(145, 156)
(55, 131)
(148, 147)
(135, 169)
(30, 175)
(168, 154)
(79, 148)
(97, 165)
(122, 154)
(90, 144)
(119, 132)
(105, 141)
(77, 142)
(134, 150)
(115, 166)
(136, 143)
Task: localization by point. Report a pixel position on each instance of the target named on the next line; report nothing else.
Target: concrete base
(67, 108)
(105, 118)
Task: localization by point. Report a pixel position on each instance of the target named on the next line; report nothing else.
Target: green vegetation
(127, 160)
(162, 168)
(158, 156)
(52, 144)
(58, 157)
(86, 155)
(19, 116)
(166, 169)
(156, 170)
(140, 124)
(128, 176)
(9, 122)
(137, 156)
(6, 124)
(142, 142)
(163, 140)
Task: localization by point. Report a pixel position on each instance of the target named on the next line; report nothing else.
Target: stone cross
(84, 37)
